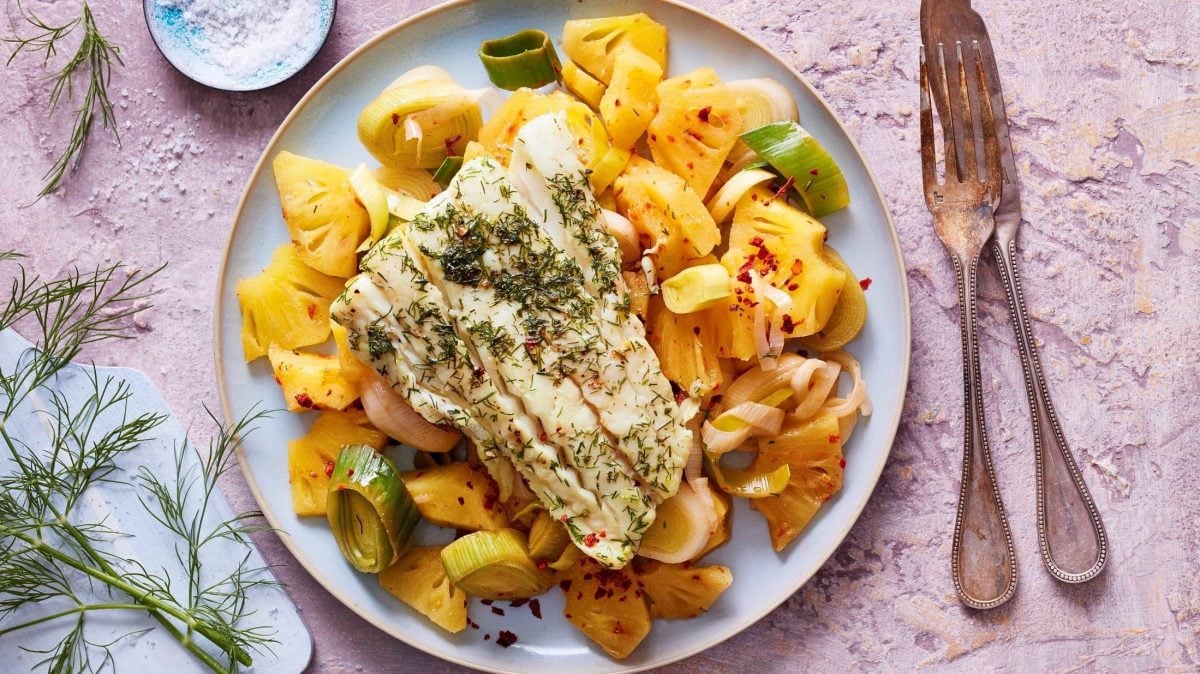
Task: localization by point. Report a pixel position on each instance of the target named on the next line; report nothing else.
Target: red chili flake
(470, 485)
(304, 400)
(485, 602)
(449, 142)
(704, 113)
(754, 196)
(603, 533)
(756, 241)
(535, 607)
(278, 382)
(562, 518)
(654, 137)
(395, 118)
(474, 625)
(487, 637)
(590, 540)
(842, 463)
(696, 577)
(680, 397)
(506, 639)
(497, 610)
(328, 469)
(814, 172)
(691, 165)
(792, 287)
(601, 593)
(670, 138)
(617, 629)
(541, 564)
(696, 330)
(565, 585)
(543, 437)
(350, 473)
(517, 603)
(312, 311)
(694, 134)
(788, 324)
(798, 267)
(783, 190)
(865, 283)
(834, 438)
(744, 277)
(461, 501)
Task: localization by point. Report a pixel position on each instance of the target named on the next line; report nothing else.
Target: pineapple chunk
(311, 458)
(787, 247)
(418, 579)
(668, 214)
(696, 126)
(497, 135)
(607, 605)
(585, 87)
(352, 368)
(287, 304)
(311, 380)
(631, 99)
(324, 219)
(813, 451)
(457, 496)
(592, 43)
(683, 591)
(686, 348)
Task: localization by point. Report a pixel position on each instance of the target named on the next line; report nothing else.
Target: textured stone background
(1105, 109)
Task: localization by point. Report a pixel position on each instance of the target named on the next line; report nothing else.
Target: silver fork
(983, 561)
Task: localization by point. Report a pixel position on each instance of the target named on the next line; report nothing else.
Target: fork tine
(970, 159)
(991, 144)
(947, 117)
(928, 150)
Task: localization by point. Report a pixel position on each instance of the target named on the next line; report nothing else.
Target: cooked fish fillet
(625, 383)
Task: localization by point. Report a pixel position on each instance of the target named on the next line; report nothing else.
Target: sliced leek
(762, 101)
(371, 195)
(495, 565)
(681, 528)
(547, 537)
(369, 509)
(749, 483)
(797, 155)
(849, 314)
(608, 167)
(696, 288)
(419, 124)
(723, 202)
(447, 170)
(524, 59)
(416, 183)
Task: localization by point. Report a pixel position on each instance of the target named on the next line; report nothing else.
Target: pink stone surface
(1105, 108)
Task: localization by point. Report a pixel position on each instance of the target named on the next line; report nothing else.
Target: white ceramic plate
(323, 125)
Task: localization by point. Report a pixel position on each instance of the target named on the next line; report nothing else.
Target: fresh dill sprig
(93, 59)
(49, 554)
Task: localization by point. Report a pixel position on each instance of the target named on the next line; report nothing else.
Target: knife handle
(1070, 533)
(983, 563)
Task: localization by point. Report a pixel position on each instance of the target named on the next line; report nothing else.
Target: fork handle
(983, 561)
(1070, 534)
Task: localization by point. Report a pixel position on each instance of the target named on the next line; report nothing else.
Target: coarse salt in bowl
(239, 46)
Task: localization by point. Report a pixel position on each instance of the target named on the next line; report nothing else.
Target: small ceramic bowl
(197, 38)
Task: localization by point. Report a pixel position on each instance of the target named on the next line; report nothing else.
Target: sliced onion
(680, 530)
(426, 73)
(391, 414)
(762, 347)
(756, 383)
(749, 419)
(857, 399)
(812, 386)
(622, 230)
(412, 129)
(782, 302)
(724, 201)
(648, 268)
(704, 493)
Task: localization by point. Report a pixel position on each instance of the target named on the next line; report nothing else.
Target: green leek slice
(730, 423)
(372, 196)
(524, 59)
(446, 172)
(419, 124)
(495, 565)
(797, 155)
(696, 288)
(369, 510)
(547, 537)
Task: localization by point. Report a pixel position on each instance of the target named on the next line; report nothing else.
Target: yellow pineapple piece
(592, 43)
(287, 304)
(324, 219)
(667, 214)
(682, 591)
(786, 247)
(311, 458)
(813, 451)
(585, 87)
(457, 496)
(629, 102)
(311, 381)
(686, 348)
(352, 368)
(607, 605)
(696, 126)
(418, 579)
(497, 135)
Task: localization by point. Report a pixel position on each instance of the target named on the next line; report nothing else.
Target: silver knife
(1071, 535)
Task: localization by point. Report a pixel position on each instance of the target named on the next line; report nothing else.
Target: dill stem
(82, 608)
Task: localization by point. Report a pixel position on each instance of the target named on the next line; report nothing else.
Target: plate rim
(303, 559)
